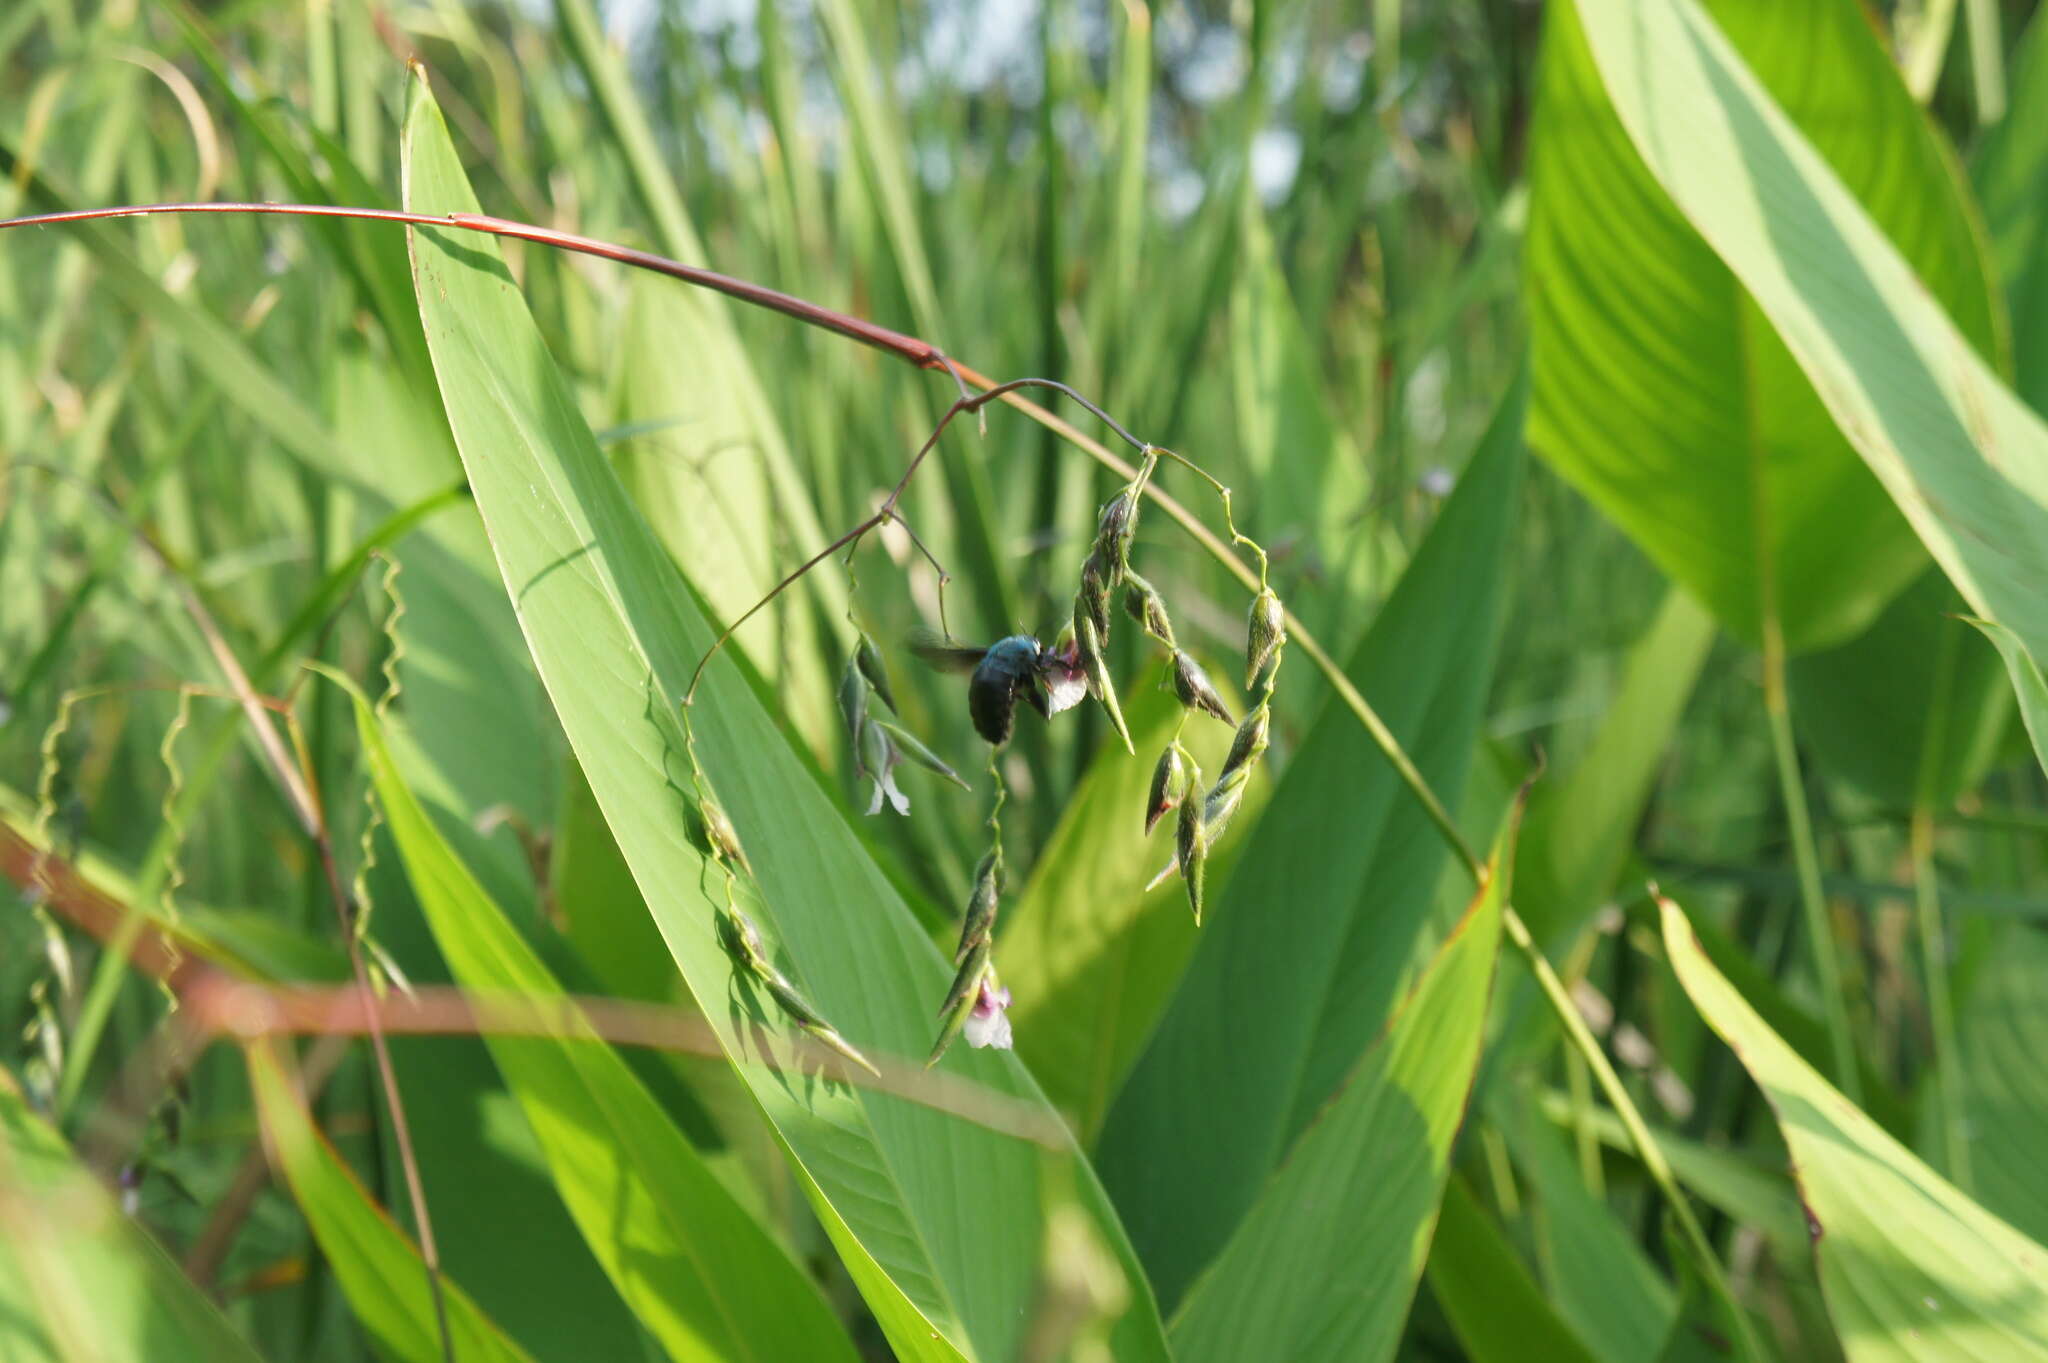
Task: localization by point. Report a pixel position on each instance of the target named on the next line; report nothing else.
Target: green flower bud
(1266, 630)
(980, 919)
(1092, 600)
(1148, 608)
(1169, 786)
(1222, 801)
(1099, 683)
(826, 1035)
(722, 836)
(853, 700)
(869, 659)
(1192, 685)
(967, 976)
(742, 941)
(910, 746)
(1114, 529)
(1251, 738)
(1191, 853)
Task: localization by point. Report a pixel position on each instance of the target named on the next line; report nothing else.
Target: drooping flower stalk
(976, 1001)
(736, 931)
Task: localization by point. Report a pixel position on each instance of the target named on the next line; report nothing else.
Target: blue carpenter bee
(1051, 679)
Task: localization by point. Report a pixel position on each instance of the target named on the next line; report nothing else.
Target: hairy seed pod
(1169, 786)
(1265, 631)
(1191, 684)
(1092, 600)
(1099, 683)
(869, 659)
(1148, 608)
(722, 836)
(1250, 742)
(980, 919)
(1114, 529)
(853, 700)
(1191, 852)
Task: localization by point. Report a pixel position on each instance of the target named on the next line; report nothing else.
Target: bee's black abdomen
(992, 701)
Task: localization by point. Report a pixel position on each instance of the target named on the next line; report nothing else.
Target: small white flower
(1066, 681)
(989, 1023)
(1437, 481)
(878, 763)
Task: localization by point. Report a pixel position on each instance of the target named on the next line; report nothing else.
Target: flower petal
(992, 1030)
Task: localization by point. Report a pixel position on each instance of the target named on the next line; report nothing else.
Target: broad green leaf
(1091, 957)
(1911, 1268)
(379, 1269)
(1314, 932)
(78, 1279)
(1498, 1312)
(1660, 390)
(2010, 171)
(1960, 454)
(1911, 710)
(937, 1218)
(1325, 1263)
(699, 1273)
(2003, 1029)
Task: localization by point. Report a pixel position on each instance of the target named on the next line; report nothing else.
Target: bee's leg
(1035, 692)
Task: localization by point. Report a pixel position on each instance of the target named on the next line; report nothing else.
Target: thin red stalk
(920, 353)
(219, 1004)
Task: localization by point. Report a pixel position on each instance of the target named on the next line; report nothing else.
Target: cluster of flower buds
(977, 1002)
(1108, 568)
(742, 941)
(1176, 779)
(878, 745)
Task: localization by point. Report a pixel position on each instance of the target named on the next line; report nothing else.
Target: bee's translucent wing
(948, 655)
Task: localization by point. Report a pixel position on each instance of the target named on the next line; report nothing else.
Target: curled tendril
(174, 825)
(386, 970)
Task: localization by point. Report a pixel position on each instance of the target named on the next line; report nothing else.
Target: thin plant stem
(1827, 966)
(1941, 1016)
(1987, 64)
